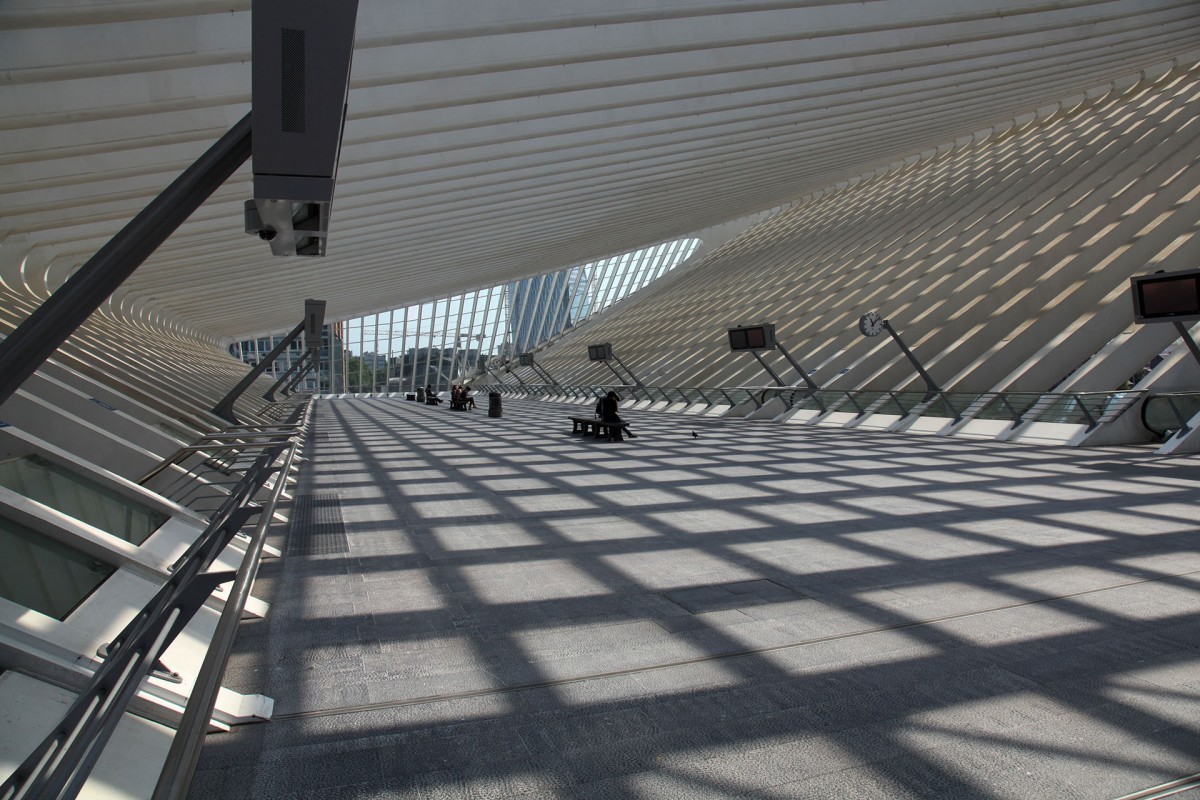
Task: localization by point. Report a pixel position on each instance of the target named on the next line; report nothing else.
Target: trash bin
(420, 395)
(494, 404)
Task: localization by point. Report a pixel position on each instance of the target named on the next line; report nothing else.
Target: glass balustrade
(1011, 407)
(1082, 408)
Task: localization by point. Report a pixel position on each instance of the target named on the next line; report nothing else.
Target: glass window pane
(44, 575)
(81, 498)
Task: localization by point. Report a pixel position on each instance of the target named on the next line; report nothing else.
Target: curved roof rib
(491, 142)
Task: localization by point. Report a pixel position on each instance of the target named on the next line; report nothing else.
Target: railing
(285, 411)
(690, 395)
(1083, 408)
(1168, 414)
(206, 468)
(188, 741)
(59, 766)
(1080, 408)
(1012, 407)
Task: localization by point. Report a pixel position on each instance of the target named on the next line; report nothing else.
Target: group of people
(458, 394)
(461, 394)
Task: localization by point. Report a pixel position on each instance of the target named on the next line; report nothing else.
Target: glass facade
(455, 339)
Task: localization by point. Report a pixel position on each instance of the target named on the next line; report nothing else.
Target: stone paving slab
(763, 612)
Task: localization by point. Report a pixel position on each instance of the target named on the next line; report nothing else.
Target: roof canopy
(489, 141)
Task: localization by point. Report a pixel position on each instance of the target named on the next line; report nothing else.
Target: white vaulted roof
(488, 141)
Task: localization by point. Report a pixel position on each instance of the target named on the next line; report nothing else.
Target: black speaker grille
(291, 55)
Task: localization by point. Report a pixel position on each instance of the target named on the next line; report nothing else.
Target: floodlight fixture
(300, 79)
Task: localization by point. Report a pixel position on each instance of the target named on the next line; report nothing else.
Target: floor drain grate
(317, 527)
(723, 596)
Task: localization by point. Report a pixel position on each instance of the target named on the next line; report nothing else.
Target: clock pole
(931, 388)
(872, 324)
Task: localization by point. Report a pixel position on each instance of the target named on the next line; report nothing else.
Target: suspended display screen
(753, 337)
(1166, 296)
(599, 352)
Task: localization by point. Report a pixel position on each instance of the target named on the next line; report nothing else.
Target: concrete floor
(487, 608)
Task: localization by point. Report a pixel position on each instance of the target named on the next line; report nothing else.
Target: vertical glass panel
(44, 575)
(81, 498)
(448, 339)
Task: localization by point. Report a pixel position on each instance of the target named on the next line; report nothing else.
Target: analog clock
(871, 324)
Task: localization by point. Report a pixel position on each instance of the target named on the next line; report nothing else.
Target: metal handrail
(898, 400)
(221, 452)
(185, 749)
(60, 765)
(213, 447)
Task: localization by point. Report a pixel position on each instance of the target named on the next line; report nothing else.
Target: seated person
(431, 396)
(609, 413)
(465, 396)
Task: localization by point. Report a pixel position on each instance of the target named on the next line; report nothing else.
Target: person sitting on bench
(431, 397)
(610, 414)
(465, 396)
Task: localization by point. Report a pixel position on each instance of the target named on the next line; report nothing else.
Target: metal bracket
(270, 393)
(767, 367)
(224, 409)
(1186, 335)
(931, 388)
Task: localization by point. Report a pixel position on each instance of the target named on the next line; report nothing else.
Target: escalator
(1166, 414)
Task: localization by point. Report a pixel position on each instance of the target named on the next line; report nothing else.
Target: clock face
(871, 324)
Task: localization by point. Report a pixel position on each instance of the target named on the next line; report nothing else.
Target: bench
(432, 400)
(599, 428)
(460, 405)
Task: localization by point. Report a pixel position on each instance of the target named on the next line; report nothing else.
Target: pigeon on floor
(695, 435)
